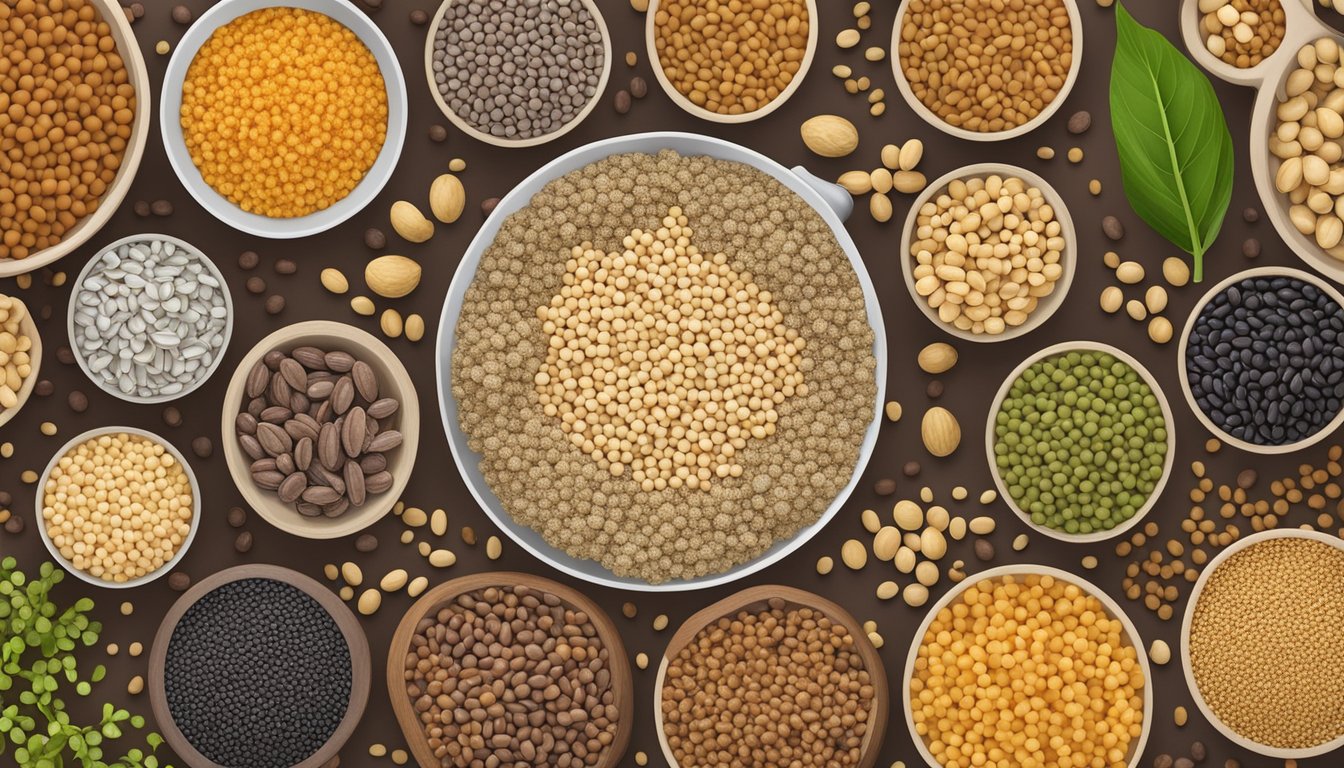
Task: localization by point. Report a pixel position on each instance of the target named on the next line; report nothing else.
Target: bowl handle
(836, 196)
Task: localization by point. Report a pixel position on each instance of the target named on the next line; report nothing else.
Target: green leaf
(1176, 156)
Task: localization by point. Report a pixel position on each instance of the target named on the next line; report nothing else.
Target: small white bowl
(73, 305)
(341, 11)
(1112, 607)
(1046, 306)
(1219, 725)
(655, 62)
(1075, 26)
(41, 522)
(29, 328)
(1219, 287)
(1124, 357)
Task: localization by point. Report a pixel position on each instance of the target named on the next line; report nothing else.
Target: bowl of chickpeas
(118, 507)
(285, 120)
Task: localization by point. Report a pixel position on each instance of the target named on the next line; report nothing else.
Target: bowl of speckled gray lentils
(624, 438)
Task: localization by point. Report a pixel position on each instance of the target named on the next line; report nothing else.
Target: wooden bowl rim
(792, 596)
(29, 328)
(267, 504)
(622, 679)
(356, 642)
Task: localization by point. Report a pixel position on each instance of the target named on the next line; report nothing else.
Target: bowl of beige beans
(1297, 125)
(988, 252)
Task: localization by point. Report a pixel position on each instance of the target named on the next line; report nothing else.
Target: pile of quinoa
(548, 484)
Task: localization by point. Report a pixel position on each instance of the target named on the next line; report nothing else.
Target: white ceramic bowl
(1223, 728)
(1235, 442)
(655, 62)
(168, 567)
(499, 141)
(88, 226)
(342, 11)
(1046, 306)
(1075, 26)
(1122, 356)
(73, 305)
(830, 201)
(28, 327)
(1112, 607)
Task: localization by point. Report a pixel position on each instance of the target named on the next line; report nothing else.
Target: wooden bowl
(690, 107)
(87, 227)
(617, 661)
(757, 598)
(360, 664)
(499, 141)
(29, 329)
(1127, 359)
(993, 574)
(393, 380)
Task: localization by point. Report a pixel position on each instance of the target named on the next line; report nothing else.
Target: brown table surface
(492, 172)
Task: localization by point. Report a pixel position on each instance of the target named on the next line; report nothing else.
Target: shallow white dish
(222, 208)
(830, 201)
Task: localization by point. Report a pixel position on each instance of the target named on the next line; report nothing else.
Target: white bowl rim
(927, 115)
(1068, 259)
(29, 326)
(364, 193)
(1082, 345)
(1028, 569)
(77, 289)
(1188, 620)
(1183, 347)
(196, 511)
(589, 570)
(655, 63)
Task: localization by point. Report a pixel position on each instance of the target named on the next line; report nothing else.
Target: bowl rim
(28, 326)
(689, 144)
(655, 63)
(196, 511)
(116, 192)
(618, 661)
(1068, 259)
(925, 114)
(1082, 345)
(499, 141)
(375, 178)
(1028, 569)
(879, 713)
(356, 642)
(1187, 622)
(77, 288)
(265, 503)
(1183, 348)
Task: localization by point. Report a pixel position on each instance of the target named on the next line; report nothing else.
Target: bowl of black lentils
(1262, 360)
(258, 666)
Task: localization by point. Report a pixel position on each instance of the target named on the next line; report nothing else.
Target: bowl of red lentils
(285, 120)
(118, 507)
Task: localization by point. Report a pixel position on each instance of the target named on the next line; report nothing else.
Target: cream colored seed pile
(1266, 644)
(1308, 142)
(15, 364)
(548, 484)
(664, 359)
(1027, 671)
(1242, 33)
(117, 506)
(987, 250)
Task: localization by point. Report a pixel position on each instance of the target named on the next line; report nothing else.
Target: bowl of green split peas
(1080, 441)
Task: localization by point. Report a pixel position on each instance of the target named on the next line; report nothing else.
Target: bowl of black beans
(258, 666)
(1262, 360)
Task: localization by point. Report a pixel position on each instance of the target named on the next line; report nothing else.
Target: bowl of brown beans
(722, 657)
(728, 67)
(320, 427)
(94, 128)
(979, 97)
(510, 669)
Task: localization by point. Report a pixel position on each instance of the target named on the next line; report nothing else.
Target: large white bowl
(341, 11)
(830, 201)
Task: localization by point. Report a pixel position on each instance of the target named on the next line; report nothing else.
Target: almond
(937, 358)
(410, 223)
(830, 135)
(392, 276)
(940, 431)
(334, 280)
(447, 198)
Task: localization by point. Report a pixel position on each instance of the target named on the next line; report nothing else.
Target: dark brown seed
(1080, 122)
(181, 14)
(308, 510)
(1112, 228)
(885, 486)
(65, 355)
(342, 394)
(5, 499)
(384, 408)
(277, 414)
(375, 239)
(255, 285)
(329, 446)
(299, 402)
(161, 208)
(378, 482)
(1198, 752)
(258, 379)
(320, 494)
(275, 304)
(639, 87)
(243, 543)
(488, 205)
(336, 508)
(44, 388)
(292, 487)
(934, 389)
(303, 454)
(172, 416)
(353, 432)
(354, 483)
(320, 476)
(264, 465)
(340, 362)
(141, 208)
(437, 134)
(366, 543)
(179, 581)
(1246, 478)
(251, 446)
(303, 425)
(320, 390)
(237, 517)
(285, 267)
(274, 439)
(268, 481)
(984, 550)
(203, 447)
(279, 390)
(311, 358)
(419, 17)
(45, 312)
(272, 359)
(1250, 215)
(294, 373)
(366, 383)
(384, 441)
(621, 101)
(78, 401)
(911, 469)
(372, 463)
(284, 464)
(14, 525)
(248, 260)
(1251, 248)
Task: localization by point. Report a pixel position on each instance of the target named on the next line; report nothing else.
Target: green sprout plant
(38, 645)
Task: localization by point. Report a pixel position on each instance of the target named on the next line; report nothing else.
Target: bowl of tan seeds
(660, 362)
